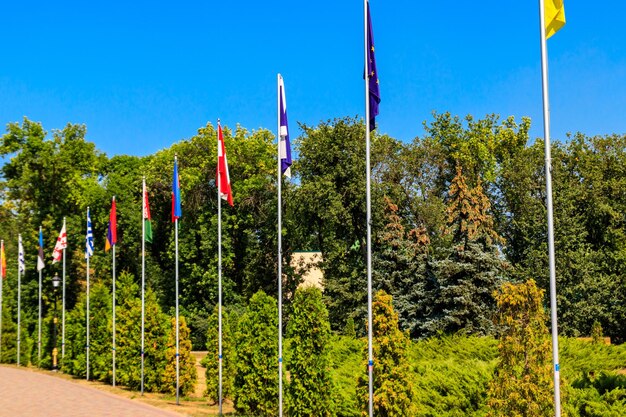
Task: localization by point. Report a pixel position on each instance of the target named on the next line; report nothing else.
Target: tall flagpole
(549, 208)
(177, 326)
(39, 319)
(87, 318)
(280, 249)
(370, 355)
(113, 304)
(143, 276)
(219, 268)
(63, 305)
(19, 294)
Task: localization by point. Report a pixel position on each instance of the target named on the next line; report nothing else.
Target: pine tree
(310, 387)
(522, 386)
(188, 375)
(256, 385)
(393, 391)
(228, 355)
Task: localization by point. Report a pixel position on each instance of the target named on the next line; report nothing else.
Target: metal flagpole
(87, 321)
(63, 304)
(143, 276)
(219, 267)
(19, 294)
(39, 319)
(279, 278)
(177, 327)
(370, 364)
(113, 306)
(549, 208)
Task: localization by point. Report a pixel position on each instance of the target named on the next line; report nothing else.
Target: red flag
(223, 179)
(3, 262)
(112, 232)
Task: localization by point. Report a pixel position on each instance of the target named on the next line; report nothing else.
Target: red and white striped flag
(61, 244)
(222, 168)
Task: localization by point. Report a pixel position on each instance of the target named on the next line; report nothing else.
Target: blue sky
(143, 75)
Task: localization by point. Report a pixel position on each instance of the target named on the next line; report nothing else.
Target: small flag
(146, 215)
(61, 244)
(177, 211)
(285, 145)
(223, 179)
(40, 263)
(554, 15)
(112, 231)
(3, 262)
(89, 237)
(372, 73)
(21, 263)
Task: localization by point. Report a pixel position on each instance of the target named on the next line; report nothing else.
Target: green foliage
(596, 333)
(211, 361)
(309, 392)
(393, 388)
(523, 383)
(187, 363)
(256, 382)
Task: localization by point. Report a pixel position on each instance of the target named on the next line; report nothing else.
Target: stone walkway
(24, 393)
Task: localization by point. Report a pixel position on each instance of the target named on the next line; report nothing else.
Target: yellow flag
(555, 16)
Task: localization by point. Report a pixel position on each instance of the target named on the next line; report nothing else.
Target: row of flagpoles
(552, 18)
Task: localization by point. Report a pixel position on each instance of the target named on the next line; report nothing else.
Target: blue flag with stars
(372, 73)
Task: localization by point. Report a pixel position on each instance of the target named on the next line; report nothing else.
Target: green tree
(393, 389)
(211, 361)
(310, 387)
(256, 385)
(188, 374)
(522, 386)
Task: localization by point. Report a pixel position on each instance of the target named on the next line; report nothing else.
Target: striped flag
(3, 262)
(21, 263)
(112, 230)
(177, 211)
(89, 238)
(147, 219)
(285, 145)
(40, 263)
(60, 245)
(223, 178)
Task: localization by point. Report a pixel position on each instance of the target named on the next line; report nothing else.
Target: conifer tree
(393, 391)
(310, 387)
(100, 332)
(522, 386)
(188, 374)
(256, 385)
(228, 355)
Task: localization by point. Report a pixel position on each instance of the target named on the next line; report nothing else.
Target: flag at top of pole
(40, 263)
(89, 238)
(284, 144)
(112, 231)
(223, 177)
(21, 263)
(372, 73)
(3, 262)
(554, 15)
(60, 245)
(147, 219)
(177, 211)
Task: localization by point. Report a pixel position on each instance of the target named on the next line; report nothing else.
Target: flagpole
(143, 276)
(19, 294)
(549, 208)
(177, 326)
(63, 304)
(279, 277)
(113, 304)
(39, 319)
(87, 321)
(370, 355)
(219, 270)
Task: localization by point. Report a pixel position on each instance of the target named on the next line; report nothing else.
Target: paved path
(25, 393)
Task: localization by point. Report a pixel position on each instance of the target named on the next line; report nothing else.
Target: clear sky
(142, 75)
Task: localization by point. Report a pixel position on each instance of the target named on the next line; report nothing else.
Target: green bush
(188, 374)
(228, 356)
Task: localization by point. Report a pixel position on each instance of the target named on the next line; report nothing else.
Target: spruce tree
(522, 386)
(256, 385)
(310, 388)
(188, 375)
(393, 390)
(228, 356)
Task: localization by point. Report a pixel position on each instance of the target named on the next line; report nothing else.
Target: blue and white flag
(283, 134)
(21, 263)
(40, 262)
(89, 238)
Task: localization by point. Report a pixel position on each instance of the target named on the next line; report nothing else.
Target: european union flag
(372, 73)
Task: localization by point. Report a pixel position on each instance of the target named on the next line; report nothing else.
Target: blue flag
(283, 134)
(89, 238)
(40, 263)
(177, 211)
(372, 73)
